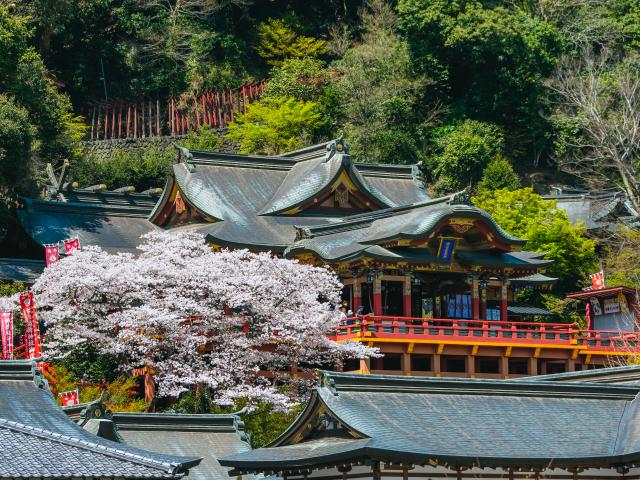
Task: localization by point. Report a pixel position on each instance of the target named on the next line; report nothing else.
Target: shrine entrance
(429, 295)
(441, 295)
(392, 302)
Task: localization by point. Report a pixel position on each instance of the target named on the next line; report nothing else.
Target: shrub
(275, 125)
(499, 174)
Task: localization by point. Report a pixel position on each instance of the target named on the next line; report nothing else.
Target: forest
(493, 96)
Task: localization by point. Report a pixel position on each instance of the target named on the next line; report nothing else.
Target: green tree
(462, 152)
(376, 92)
(38, 124)
(8, 289)
(488, 58)
(141, 168)
(275, 125)
(622, 258)
(499, 174)
(16, 144)
(547, 229)
(278, 41)
(300, 78)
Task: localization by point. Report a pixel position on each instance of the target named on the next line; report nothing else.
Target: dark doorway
(518, 366)
(453, 364)
(421, 363)
(347, 297)
(392, 298)
(488, 365)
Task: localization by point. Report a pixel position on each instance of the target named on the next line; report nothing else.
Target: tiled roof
(20, 269)
(596, 210)
(244, 193)
(459, 422)
(37, 440)
(113, 221)
(206, 436)
(361, 235)
(623, 375)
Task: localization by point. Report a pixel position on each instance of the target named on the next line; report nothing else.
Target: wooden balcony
(486, 332)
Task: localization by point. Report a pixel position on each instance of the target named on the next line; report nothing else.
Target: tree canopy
(547, 229)
(194, 316)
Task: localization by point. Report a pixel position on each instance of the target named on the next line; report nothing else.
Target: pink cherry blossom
(197, 316)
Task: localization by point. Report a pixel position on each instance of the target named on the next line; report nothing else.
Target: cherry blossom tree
(196, 317)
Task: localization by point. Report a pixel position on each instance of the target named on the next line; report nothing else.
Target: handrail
(484, 331)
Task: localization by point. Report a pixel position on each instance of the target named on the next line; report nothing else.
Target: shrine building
(438, 276)
(376, 427)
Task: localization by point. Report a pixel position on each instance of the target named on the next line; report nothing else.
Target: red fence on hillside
(152, 118)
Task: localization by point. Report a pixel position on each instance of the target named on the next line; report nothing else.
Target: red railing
(485, 331)
(143, 118)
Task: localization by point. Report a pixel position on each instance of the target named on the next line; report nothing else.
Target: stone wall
(103, 148)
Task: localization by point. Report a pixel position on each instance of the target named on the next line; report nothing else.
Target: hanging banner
(70, 398)
(597, 280)
(31, 335)
(446, 248)
(595, 306)
(6, 332)
(51, 254)
(71, 246)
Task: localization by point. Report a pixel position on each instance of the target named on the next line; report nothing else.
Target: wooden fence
(152, 118)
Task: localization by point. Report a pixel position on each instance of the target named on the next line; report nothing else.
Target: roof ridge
(89, 446)
(337, 382)
(179, 421)
(238, 160)
(82, 207)
(351, 222)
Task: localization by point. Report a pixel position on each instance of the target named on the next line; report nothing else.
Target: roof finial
(338, 145)
(460, 198)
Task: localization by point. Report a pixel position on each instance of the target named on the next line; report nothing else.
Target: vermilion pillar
(475, 298)
(377, 296)
(357, 294)
(483, 305)
(406, 296)
(504, 315)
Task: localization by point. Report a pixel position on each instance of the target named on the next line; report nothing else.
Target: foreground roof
(358, 418)
(623, 375)
(206, 436)
(37, 440)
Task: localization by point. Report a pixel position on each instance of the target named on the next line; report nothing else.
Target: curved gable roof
(311, 178)
(368, 231)
(411, 420)
(114, 221)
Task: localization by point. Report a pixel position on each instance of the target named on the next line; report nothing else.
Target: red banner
(71, 246)
(69, 398)
(6, 332)
(51, 254)
(31, 333)
(597, 280)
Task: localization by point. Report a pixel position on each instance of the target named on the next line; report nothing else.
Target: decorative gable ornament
(338, 146)
(342, 196)
(180, 208)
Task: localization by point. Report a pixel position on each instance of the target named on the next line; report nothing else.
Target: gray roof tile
(30, 421)
(462, 422)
